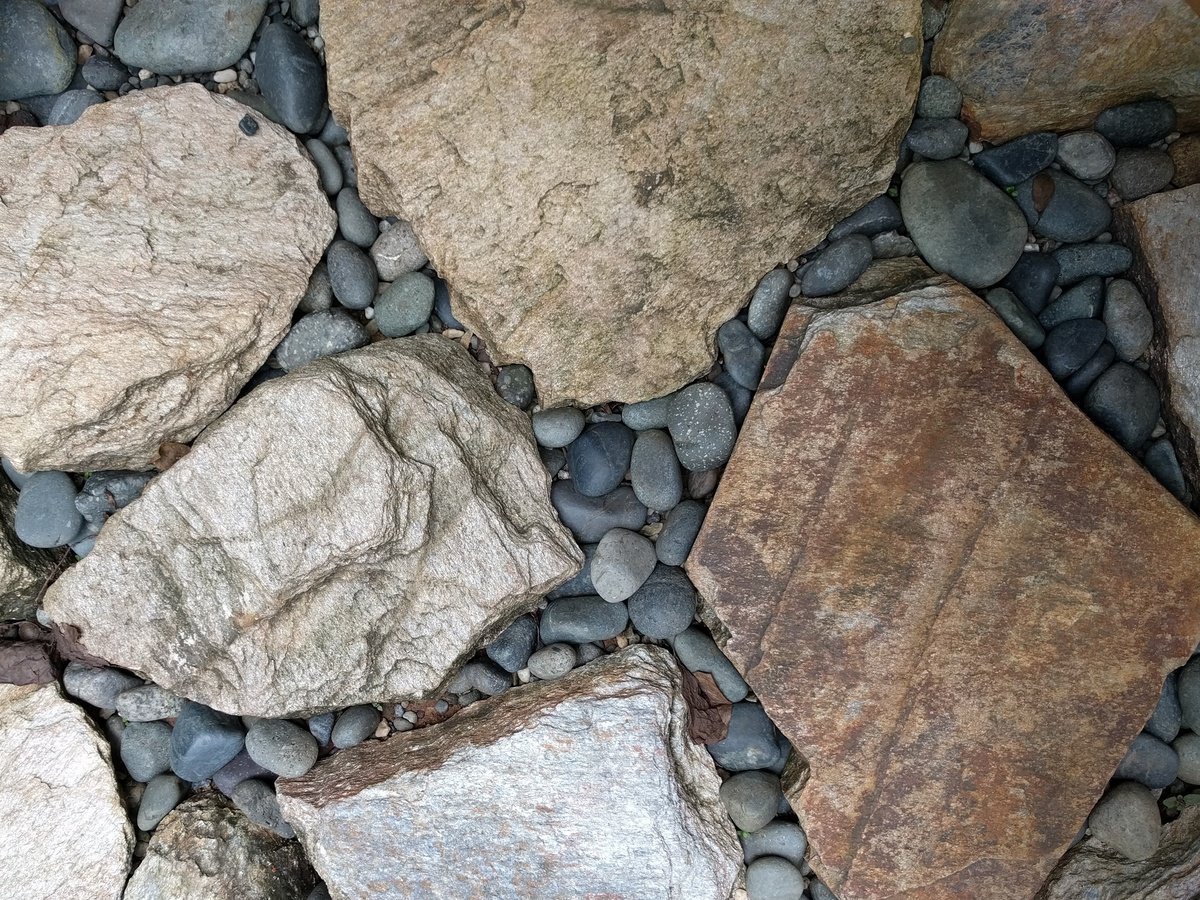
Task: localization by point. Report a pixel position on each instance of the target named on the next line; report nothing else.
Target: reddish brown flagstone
(954, 594)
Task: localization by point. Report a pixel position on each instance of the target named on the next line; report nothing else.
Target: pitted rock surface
(602, 185)
(347, 533)
(66, 833)
(174, 248)
(588, 786)
(930, 566)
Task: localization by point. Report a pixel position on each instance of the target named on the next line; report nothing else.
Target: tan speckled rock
(602, 185)
(930, 566)
(588, 786)
(151, 255)
(1055, 64)
(23, 569)
(63, 828)
(347, 533)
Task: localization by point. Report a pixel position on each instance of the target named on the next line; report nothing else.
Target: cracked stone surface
(930, 566)
(1055, 64)
(602, 185)
(23, 569)
(63, 829)
(350, 532)
(207, 850)
(584, 787)
(1164, 232)
(174, 248)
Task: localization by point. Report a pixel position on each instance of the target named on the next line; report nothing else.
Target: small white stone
(145, 74)
(225, 76)
(975, 147)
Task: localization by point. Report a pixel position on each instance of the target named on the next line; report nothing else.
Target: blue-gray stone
(98, 686)
(441, 305)
(880, 215)
(1083, 301)
(781, 838)
(1018, 160)
(1086, 155)
(16, 476)
(70, 106)
(1166, 720)
(1130, 325)
(187, 37)
(647, 413)
(332, 134)
(1069, 345)
(581, 582)
(514, 645)
(345, 160)
(772, 878)
(1073, 213)
(557, 427)
(320, 726)
(664, 605)
(46, 515)
(515, 385)
(481, 676)
(939, 98)
(305, 12)
(237, 770)
(258, 802)
(1125, 403)
(291, 77)
(95, 18)
(1150, 761)
(1137, 124)
(355, 725)
(1016, 316)
(104, 74)
(699, 653)
(654, 470)
(405, 305)
(352, 274)
(329, 170)
(1032, 280)
(700, 419)
(599, 458)
(281, 747)
(553, 458)
(936, 138)
(750, 742)
(679, 532)
(578, 620)
(590, 518)
(835, 268)
(768, 306)
(751, 798)
(357, 224)
(1163, 464)
(37, 55)
(740, 396)
(104, 493)
(1080, 261)
(318, 334)
(146, 749)
(203, 741)
(743, 355)
(1085, 376)
(161, 795)
(1140, 172)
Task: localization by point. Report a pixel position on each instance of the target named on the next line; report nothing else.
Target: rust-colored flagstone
(955, 595)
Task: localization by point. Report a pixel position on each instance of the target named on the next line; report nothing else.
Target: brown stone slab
(954, 594)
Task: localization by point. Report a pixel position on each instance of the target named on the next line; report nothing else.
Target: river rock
(324, 514)
(891, 525)
(179, 244)
(601, 203)
(611, 798)
(23, 569)
(183, 37)
(1164, 232)
(66, 833)
(1056, 64)
(206, 850)
(39, 55)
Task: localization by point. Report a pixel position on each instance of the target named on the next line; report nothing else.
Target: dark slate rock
(305, 12)
(937, 138)
(578, 620)
(1069, 345)
(1163, 464)
(647, 413)
(146, 749)
(599, 458)
(1166, 720)
(939, 98)
(698, 653)
(70, 105)
(664, 605)
(104, 73)
(105, 492)
(320, 726)
(258, 803)
(880, 215)
(740, 397)
(99, 686)
(700, 419)
(1080, 261)
(1125, 403)
(357, 224)
(1032, 280)
(405, 305)
(1130, 324)
(291, 77)
(742, 353)
(354, 725)
(46, 515)
(1140, 172)
(514, 645)
(37, 55)
(835, 268)
(1023, 323)
(332, 134)
(1188, 690)
(772, 878)
(352, 274)
(580, 583)
(654, 470)
(679, 532)
(768, 306)
(203, 741)
(95, 18)
(1083, 301)
(318, 334)
(554, 459)
(238, 769)
(1137, 124)
(1073, 213)
(590, 518)
(329, 170)
(481, 677)
(1149, 761)
(173, 38)
(345, 160)
(750, 743)
(1018, 160)
(1085, 376)
(441, 305)
(515, 385)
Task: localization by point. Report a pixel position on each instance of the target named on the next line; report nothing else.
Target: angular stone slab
(151, 255)
(955, 595)
(1164, 232)
(584, 787)
(347, 533)
(1055, 64)
(602, 185)
(63, 828)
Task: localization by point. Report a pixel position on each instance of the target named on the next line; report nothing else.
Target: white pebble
(145, 74)
(225, 76)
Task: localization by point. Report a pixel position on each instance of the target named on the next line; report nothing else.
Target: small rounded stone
(1130, 325)
(557, 427)
(355, 725)
(679, 532)
(1125, 403)
(836, 268)
(624, 560)
(552, 662)
(515, 385)
(282, 747)
(1187, 748)
(352, 275)
(700, 419)
(664, 605)
(396, 251)
(146, 749)
(162, 794)
(768, 306)
(354, 220)
(405, 305)
(258, 801)
(1149, 761)
(318, 334)
(1127, 820)
(599, 458)
(778, 838)
(772, 878)
(654, 470)
(939, 98)
(751, 799)
(46, 515)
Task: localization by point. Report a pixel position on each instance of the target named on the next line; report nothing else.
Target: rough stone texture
(583, 787)
(1094, 872)
(207, 850)
(174, 248)
(1163, 231)
(23, 569)
(947, 537)
(1055, 64)
(65, 832)
(346, 533)
(602, 185)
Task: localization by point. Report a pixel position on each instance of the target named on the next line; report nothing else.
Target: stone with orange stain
(934, 570)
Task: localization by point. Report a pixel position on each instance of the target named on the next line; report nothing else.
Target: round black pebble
(248, 125)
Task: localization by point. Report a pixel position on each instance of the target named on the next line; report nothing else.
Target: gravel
(699, 653)
(654, 470)
(700, 419)
(1137, 124)
(352, 275)
(557, 427)
(203, 741)
(664, 605)
(281, 747)
(1130, 325)
(148, 703)
(590, 518)
(146, 750)
(1127, 820)
(599, 458)
(1013, 162)
(356, 223)
(291, 78)
(552, 661)
(624, 560)
(405, 305)
(1149, 761)
(97, 686)
(355, 725)
(512, 648)
(835, 269)
(768, 306)
(162, 794)
(751, 799)
(46, 515)
(515, 385)
(578, 620)
(319, 334)
(1125, 403)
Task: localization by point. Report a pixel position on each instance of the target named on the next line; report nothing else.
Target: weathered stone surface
(1185, 154)
(172, 249)
(1094, 872)
(207, 850)
(346, 533)
(63, 830)
(1054, 65)
(1163, 231)
(583, 787)
(602, 185)
(947, 538)
(23, 569)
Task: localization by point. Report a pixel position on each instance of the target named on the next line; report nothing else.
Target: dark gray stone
(305, 12)
(162, 794)
(1023, 323)
(37, 55)
(835, 269)
(654, 470)
(513, 646)
(557, 427)
(664, 605)
(237, 770)
(1130, 325)
(1149, 761)
(679, 532)
(203, 741)
(1137, 124)
(590, 518)
(481, 676)
(1166, 720)
(46, 515)
(1085, 376)
(334, 135)
(554, 459)
(441, 305)
(187, 37)
(146, 749)
(319, 293)
(329, 170)
(320, 726)
(781, 838)
(581, 582)
(148, 703)
(768, 306)
(355, 725)
(1163, 464)
(700, 419)
(104, 73)
(17, 478)
(740, 397)
(1011, 163)
(257, 801)
(405, 305)
(751, 799)
(1071, 344)
(600, 457)
(515, 385)
(1032, 280)
(699, 653)
(318, 334)
(70, 106)
(552, 661)
(291, 79)
(1083, 301)
(95, 18)
(578, 620)
(104, 493)
(880, 215)
(937, 138)
(1073, 213)
(939, 98)
(1125, 403)
(750, 743)
(1086, 155)
(281, 747)
(345, 160)
(1188, 688)
(98, 686)
(352, 275)
(742, 353)
(772, 878)
(357, 224)
(1140, 172)
(648, 413)
(1080, 261)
